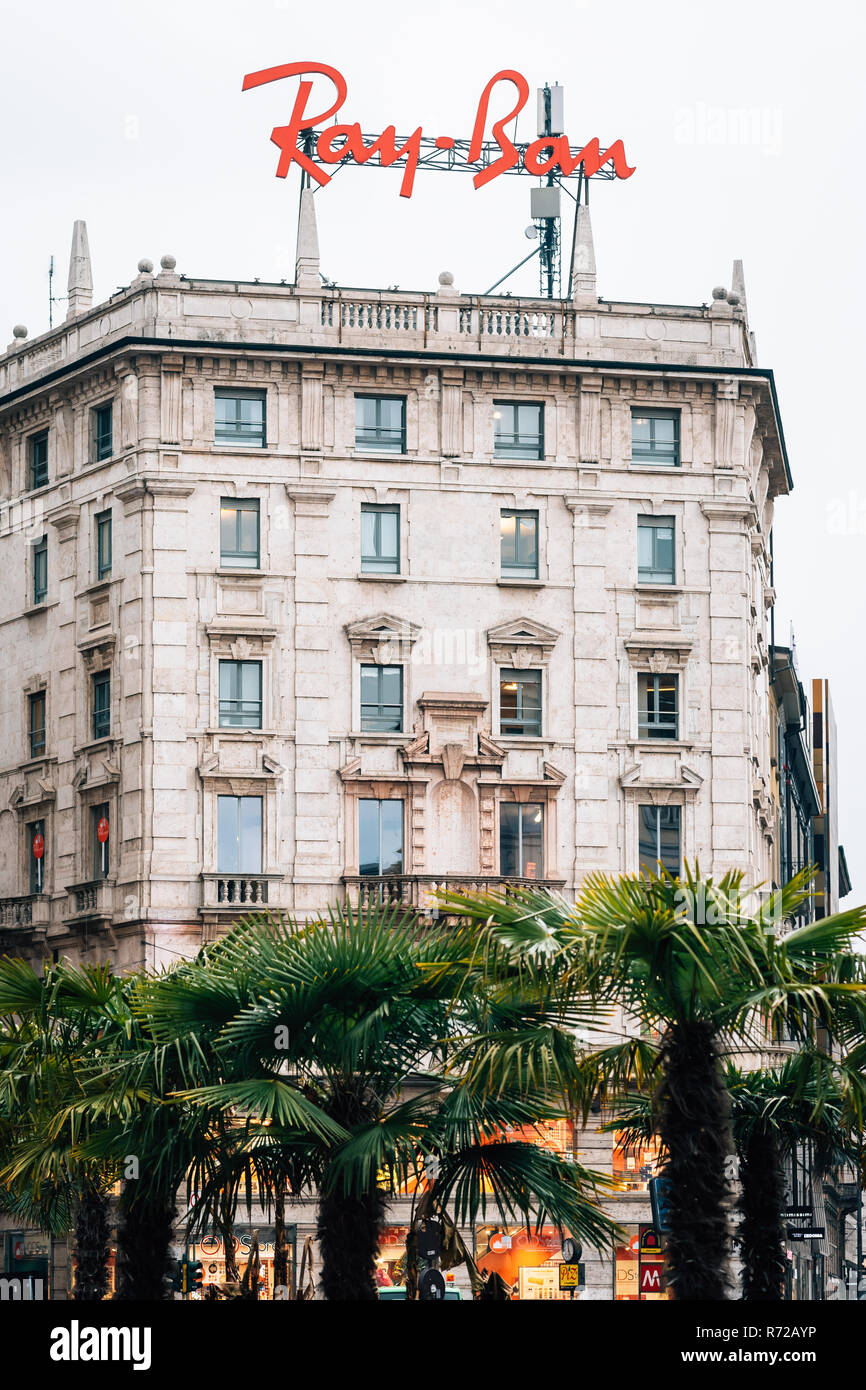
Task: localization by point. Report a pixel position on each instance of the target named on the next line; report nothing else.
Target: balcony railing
(419, 891)
(92, 899)
(237, 893)
(30, 910)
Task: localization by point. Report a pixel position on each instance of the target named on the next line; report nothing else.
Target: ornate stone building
(313, 591)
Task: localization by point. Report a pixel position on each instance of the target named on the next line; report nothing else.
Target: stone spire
(738, 285)
(307, 275)
(80, 283)
(583, 288)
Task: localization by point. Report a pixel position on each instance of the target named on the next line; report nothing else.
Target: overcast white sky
(745, 120)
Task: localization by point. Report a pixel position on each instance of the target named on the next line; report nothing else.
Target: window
(37, 724)
(103, 433)
(520, 702)
(100, 827)
(655, 436)
(39, 460)
(519, 545)
(655, 549)
(239, 418)
(240, 695)
(518, 430)
(40, 570)
(35, 840)
(380, 539)
(239, 834)
(239, 533)
(380, 423)
(659, 838)
(382, 699)
(521, 837)
(657, 706)
(380, 836)
(103, 544)
(102, 705)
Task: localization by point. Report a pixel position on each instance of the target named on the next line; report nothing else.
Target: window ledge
(642, 466)
(94, 745)
(520, 583)
(646, 586)
(381, 578)
(227, 572)
(98, 586)
(223, 730)
(671, 745)
(379, 454)
(39, 608)
(523, 740)
(238, 448)
(371, 736)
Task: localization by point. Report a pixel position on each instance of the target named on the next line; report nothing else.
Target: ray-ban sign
(299, 143)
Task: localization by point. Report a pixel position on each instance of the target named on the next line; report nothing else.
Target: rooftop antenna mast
(545, 200)
(52, 297)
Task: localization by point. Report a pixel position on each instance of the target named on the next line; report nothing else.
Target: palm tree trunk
(144, 1246)
(91, 1240)
(348, 1233)
(281, 1245)
(695, 1132)
(762, 1232)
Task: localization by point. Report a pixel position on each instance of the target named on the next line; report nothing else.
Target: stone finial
(738, 284)
(80, 283)
(446, 285)
(19, 331)
(720, 292)
(168, 263)
(307, 275)
(145, 267)
(583, 285)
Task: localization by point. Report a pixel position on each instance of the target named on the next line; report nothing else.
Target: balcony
(418, 892)
(30, 911)
(237, 893)
(91, 901)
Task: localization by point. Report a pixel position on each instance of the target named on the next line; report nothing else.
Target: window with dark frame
(239, 533)
(380, 539)
(37, 723)
(521, 840)
(40, 570)
(35, 838)
(39, 459)
(102, 704)
(520, 703)
(655, 550)
(382, 699)
(518, 544)
(655, 436)
(100, 830)
(103, 544)
(658, 714)
(239, 834)
(240, 417)
(380, 837)
(518, 429)
(103, 432)
(380, 423)
(659, 839)
(240, 694)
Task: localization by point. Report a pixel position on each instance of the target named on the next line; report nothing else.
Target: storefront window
(528, 1260)
(211, 1251)
(639, 1268)
(634, 1165)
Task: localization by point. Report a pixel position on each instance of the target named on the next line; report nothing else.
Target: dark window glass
(380, 423)
(239, 418)
(39, 460)
(655, 549)
(40, 570)
(102, 705)
(239, 834)
(518, 429)
(659, 840)
(36, 829)
(519, 545)
(37, 723)
(382, 699)
(380, 836)
(240, 695)
(520, 702)
(103, 434)
(103, 544)
(657, 706)
(655, 436)
(380, 539)
(521, 840)
(99, 817)
(239, 533)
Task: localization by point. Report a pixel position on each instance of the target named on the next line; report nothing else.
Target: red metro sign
(298, 143)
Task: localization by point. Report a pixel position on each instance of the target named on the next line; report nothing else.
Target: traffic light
(174, 1275)
(195, 1275)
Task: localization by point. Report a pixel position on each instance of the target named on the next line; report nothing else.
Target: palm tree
(343, 1047)
(687, 960)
